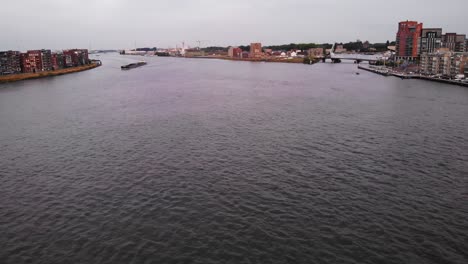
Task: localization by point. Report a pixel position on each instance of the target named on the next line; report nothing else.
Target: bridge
(337, 58)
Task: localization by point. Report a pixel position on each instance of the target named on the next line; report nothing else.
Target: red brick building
(75, 57)
(31, 61)
(234, 52)
(58, 61)
(408, 40)
(36, 61)
(256, 50)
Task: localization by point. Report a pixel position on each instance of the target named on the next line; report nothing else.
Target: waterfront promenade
(388, 72)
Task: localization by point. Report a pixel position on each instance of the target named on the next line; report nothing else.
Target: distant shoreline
(27, 76)
(277, 60)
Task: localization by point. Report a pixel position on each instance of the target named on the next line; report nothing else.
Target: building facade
(10, 62)
(408, 40)
(444, 63)
(431, 40)
(46, 57)
(458, 62)
(454, 42)
(31, 61)
(75, 57)
(255, 50)
(234, 52)
(36, 61)
(58, 61)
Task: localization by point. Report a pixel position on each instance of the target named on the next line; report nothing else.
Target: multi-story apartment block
(75, 57)
(36, 61)
(234, 52)
(10, 62)
(255, 50)
(31, 61)
(444, 62)
(433, 63)
(46, 56)
(58, 61)
(40, 60)
(408, 40)
(458, 62)
(431, 39)
(454, 42)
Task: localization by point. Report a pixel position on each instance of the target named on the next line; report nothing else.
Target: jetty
(386, 72)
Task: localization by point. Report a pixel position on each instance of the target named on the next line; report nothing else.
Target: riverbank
(386, 72)
(278, 60)
(380, 72)
(26, 76)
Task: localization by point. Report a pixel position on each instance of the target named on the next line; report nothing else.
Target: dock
(411, 76)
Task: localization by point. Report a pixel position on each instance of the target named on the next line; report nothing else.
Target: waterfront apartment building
(234, 52)
(444, 62)
(36, 61)
(10, 62)
(458, 63)
(454, 42)
(255, 50)
(31, 61)
(58, 61)
(75, 57)
(46, 57)
(408, 40)
(435, 63)
(431, 40)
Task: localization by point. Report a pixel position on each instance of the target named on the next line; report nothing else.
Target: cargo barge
(133, 65)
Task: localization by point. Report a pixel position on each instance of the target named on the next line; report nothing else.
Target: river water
(211, 161)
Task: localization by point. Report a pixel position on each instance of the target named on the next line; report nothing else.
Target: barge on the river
(133, 65)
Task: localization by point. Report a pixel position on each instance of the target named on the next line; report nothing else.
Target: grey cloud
(58, 24)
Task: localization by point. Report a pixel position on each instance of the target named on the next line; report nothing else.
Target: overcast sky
(99, 24)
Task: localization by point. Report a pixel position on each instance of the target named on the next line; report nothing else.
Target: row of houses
(256, 51)
(444, 62)
(14, 62)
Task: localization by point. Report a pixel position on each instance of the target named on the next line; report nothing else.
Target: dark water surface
(208, 161)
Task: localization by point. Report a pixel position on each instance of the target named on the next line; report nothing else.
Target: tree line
(356, 46)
